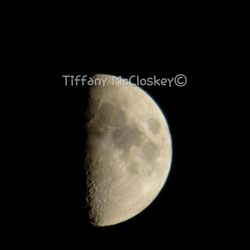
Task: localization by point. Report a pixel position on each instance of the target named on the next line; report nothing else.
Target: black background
(186, 211)
(192, 208)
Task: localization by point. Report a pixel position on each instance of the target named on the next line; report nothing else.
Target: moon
(128, 151)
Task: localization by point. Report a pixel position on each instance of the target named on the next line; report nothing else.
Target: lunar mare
(129, 151)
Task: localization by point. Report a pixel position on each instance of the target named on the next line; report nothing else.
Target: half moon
(129, 151)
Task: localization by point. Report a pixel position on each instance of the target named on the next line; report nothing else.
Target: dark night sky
(186, 209)
(200, 206)
(190, 210)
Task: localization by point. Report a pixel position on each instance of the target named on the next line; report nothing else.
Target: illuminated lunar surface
(129, 151)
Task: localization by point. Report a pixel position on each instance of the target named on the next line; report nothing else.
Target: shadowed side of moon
(129, 151)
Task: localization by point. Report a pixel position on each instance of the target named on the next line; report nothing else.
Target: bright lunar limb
(128, 153)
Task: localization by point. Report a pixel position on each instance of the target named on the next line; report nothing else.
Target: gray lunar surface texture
(128, 151)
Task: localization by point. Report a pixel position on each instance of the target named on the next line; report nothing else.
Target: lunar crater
(153, 125)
